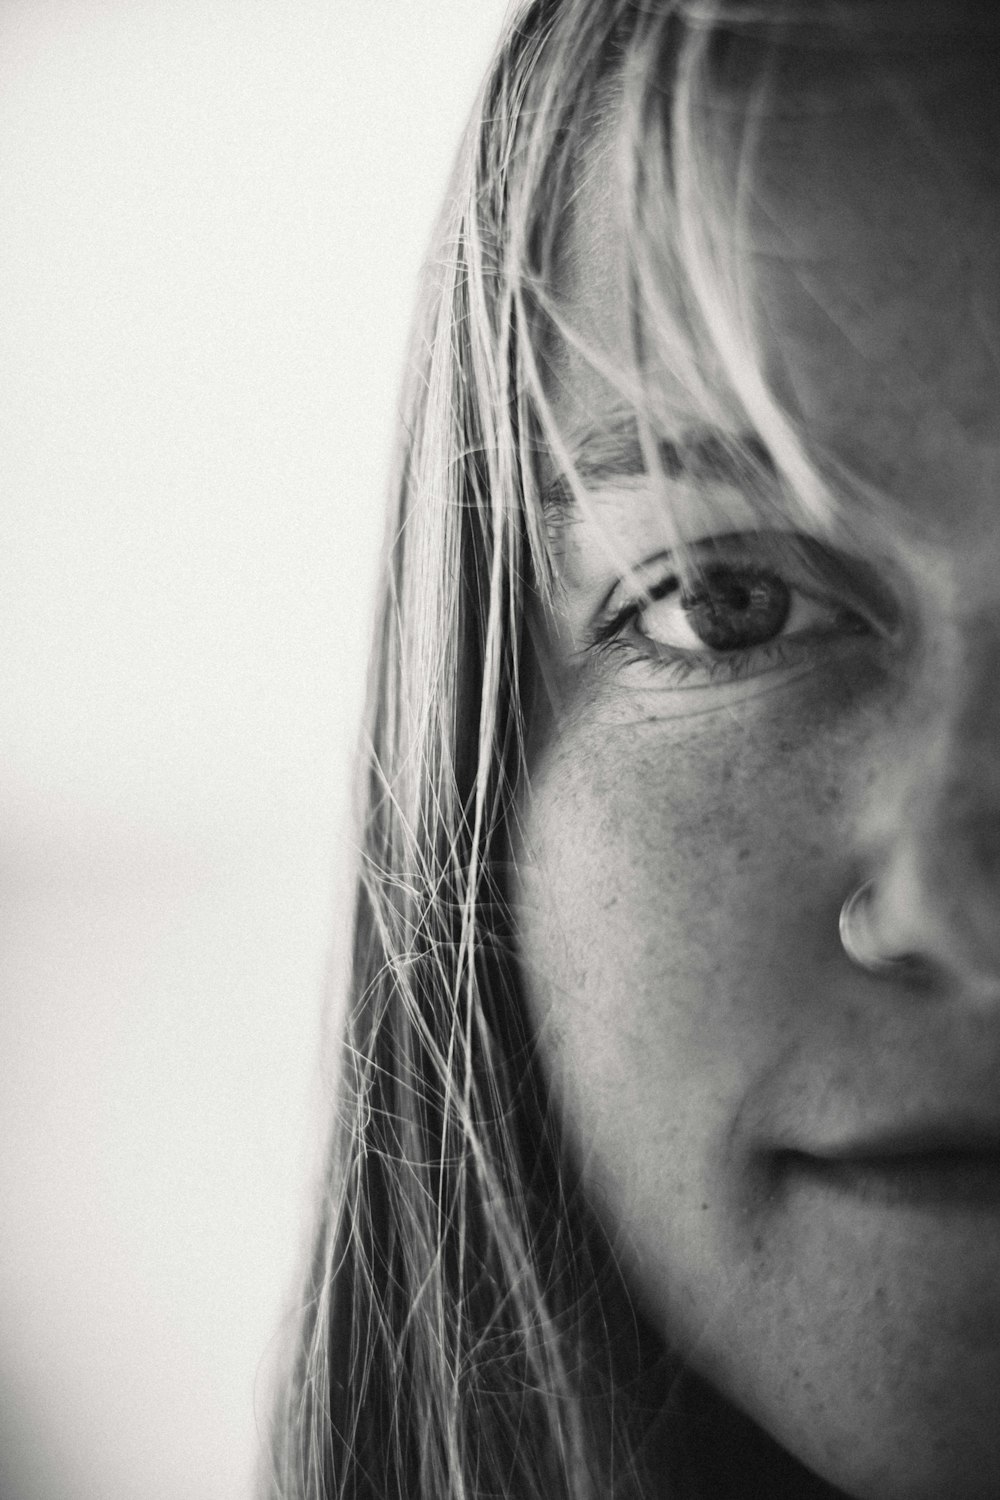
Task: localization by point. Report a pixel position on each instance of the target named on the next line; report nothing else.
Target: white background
(212, 213)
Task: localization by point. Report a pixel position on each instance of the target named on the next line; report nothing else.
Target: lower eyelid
(677, 667)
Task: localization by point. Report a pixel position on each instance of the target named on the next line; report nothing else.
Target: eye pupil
(731, 609)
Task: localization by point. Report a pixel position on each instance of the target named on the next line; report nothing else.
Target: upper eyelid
(715, 541)
(633, 596)
(795, 556)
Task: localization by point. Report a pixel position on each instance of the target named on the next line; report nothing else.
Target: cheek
(667, 878)
(676, 891)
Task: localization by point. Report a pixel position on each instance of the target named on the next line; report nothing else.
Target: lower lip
(960, 1181)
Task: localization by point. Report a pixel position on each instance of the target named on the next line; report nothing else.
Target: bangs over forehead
(642, 349)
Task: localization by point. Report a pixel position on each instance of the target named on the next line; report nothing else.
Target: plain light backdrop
(212, 214)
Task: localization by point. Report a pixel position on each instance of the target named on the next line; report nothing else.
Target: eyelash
(618, 638)
(731, 667)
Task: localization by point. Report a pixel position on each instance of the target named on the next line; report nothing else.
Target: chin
(921, 1422)
(914, 1455)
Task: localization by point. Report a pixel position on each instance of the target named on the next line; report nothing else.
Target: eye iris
(731, 609)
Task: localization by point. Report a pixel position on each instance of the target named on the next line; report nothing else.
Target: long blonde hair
(461, 1330)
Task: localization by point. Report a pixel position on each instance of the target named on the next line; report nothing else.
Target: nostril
(926, 928)
(868, 950)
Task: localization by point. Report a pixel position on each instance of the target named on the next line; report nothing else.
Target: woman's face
(789, 1148)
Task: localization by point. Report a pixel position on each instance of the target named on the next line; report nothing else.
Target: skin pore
(688, 839)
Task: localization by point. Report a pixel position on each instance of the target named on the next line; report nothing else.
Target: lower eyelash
(680, 666)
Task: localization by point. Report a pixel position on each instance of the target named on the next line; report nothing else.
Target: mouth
(943, 1175)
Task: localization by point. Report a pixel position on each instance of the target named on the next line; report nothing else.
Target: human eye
(743, 605)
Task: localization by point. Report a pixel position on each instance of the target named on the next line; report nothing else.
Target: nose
(936, 895)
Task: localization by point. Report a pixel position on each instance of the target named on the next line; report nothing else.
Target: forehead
(870, 257)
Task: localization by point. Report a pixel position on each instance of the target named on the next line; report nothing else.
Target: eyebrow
(703, 453)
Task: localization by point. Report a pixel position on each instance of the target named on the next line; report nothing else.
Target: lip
(914, 1138)
(944, 1168)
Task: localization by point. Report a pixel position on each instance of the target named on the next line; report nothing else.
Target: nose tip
(937, 905)
(933, 833)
